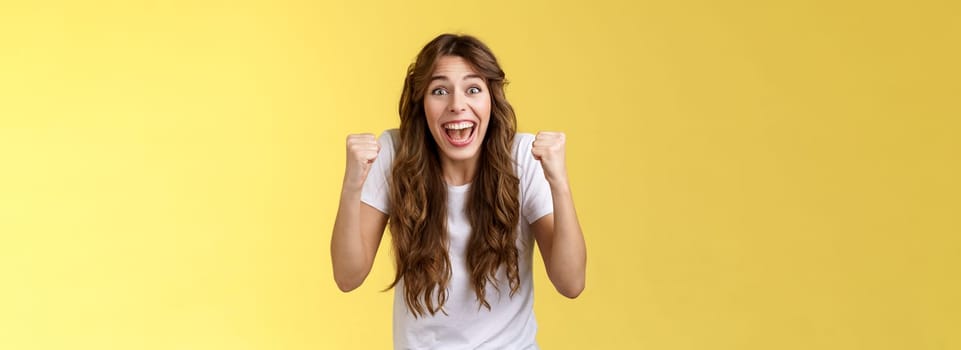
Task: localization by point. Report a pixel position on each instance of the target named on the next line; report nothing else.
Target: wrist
(559, 185)
(557, 177)
(352, 187)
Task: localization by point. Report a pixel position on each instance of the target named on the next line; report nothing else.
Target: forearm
(568, 252)
(349, 258)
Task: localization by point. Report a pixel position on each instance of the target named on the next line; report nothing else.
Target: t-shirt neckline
(459, 188)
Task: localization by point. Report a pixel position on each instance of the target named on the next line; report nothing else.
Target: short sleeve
(376, 191)
(536, 200)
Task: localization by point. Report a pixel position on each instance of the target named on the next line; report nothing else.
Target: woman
(466, 198)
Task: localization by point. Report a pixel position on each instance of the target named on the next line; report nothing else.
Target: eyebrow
(444, 77)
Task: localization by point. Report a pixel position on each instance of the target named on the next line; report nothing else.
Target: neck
(459, 172)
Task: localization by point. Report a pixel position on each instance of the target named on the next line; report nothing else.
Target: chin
(461, 154)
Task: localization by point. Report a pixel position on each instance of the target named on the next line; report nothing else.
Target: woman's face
(458, 108)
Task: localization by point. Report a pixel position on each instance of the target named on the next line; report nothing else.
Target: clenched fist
(549, 149)
(362, 150)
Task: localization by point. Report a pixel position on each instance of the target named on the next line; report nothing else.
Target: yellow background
(749, 174)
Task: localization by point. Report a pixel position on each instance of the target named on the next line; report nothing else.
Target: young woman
(466, 197)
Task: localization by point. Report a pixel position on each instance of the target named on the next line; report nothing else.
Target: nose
(458, 103)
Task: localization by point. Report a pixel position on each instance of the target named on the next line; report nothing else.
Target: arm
(359, 227)
(559, 234)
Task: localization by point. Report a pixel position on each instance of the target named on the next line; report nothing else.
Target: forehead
(453, 67)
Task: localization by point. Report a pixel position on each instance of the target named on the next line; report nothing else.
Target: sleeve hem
(539, 216)
(379, 206)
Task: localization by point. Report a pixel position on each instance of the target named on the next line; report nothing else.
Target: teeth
(458, 126)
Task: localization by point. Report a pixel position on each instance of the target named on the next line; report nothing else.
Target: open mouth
(460, 133)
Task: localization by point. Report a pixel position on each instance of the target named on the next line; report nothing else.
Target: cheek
(483, 108)
(433, 110)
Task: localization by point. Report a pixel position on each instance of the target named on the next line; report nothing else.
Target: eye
(438, 91)
(474, 90)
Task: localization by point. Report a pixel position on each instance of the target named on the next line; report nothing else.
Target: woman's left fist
(548, 148)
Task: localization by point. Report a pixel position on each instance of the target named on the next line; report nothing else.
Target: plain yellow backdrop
(749, 174)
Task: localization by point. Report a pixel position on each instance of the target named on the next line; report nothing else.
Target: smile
(460, 133)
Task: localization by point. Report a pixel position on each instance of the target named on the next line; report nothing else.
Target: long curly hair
(418, 193)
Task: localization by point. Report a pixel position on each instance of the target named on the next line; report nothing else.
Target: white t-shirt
(510, 323)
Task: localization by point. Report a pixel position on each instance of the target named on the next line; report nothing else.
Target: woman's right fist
(362, 150)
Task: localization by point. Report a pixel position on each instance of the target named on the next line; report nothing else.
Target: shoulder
(524, 162)
(389, 141)
(389, 137)
(522, 144)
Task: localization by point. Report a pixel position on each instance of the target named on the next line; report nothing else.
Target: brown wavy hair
(418, 193)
